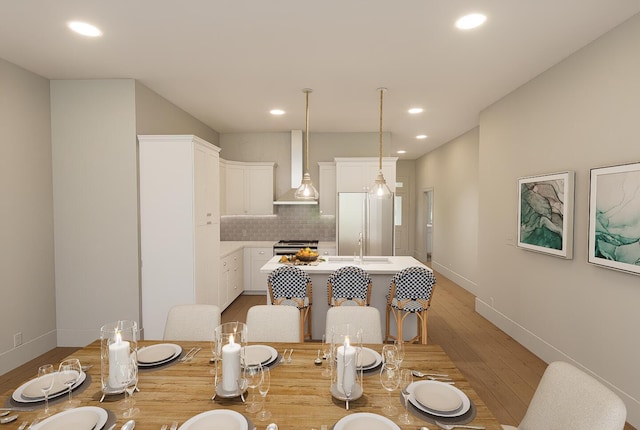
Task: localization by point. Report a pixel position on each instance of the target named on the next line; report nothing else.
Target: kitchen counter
(381, 269)
(227, 246)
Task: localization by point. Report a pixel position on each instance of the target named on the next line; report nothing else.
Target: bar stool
(349, 286)
(291, 286)
(410, 292)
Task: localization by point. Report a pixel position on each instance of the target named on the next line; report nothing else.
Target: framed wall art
(614, 217)
(545, 214)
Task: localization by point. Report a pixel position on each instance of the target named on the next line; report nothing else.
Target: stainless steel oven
(290, 247)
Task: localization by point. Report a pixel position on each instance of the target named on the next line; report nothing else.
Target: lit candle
(118, 355)
(346, 367)
(230, 366)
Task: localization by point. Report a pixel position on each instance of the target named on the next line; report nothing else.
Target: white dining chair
(268, 323)
(569, 399)
(191, 322)
(366, 318)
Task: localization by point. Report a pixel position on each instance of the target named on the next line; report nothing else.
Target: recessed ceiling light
(402, 151)
(470, 21)
(84, 28)
(416, 110)
(276, 112)
(421, 136)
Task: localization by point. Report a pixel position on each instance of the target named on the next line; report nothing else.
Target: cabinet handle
(209, 214)
(209, 222)
(261, 252)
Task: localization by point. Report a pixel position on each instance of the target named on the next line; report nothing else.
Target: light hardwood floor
(503, 373)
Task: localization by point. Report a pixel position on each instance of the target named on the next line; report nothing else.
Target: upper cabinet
(359, 173)
(248, 187)
(327, 185)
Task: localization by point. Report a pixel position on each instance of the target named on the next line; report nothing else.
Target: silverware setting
(284, 354)
(420, 374)
(174, 426)
(23, 425)
(189, 355)
(457, 426)
(290, 354)
(8, 419)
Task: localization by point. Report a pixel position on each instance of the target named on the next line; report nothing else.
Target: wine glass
(263, 388)
(326, 355)
(399, 344)
(70, 371)
(128, 377)
(390, 354)
(406, 379)
(46, 378)
(390, 379)
(253, 376)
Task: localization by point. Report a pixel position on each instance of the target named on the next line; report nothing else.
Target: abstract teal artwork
(545, 214)
(614, 217)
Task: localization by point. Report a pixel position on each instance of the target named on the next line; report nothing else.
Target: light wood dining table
(299, 397)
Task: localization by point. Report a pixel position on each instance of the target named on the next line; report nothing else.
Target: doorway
(428, 223)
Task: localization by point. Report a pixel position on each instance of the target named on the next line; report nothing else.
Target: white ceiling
(228, 62)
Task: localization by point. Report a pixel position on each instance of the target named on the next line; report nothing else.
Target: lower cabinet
(254, 281)
(231, 278)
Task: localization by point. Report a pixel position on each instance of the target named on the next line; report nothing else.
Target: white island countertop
(372, 264)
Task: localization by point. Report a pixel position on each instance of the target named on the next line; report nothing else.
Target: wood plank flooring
(502, 372)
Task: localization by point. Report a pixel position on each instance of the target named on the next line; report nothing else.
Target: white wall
(580, 114)
(26, 216)
(451, 171)
(95, 206)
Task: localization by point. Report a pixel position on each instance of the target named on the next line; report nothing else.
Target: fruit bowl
(307, 258)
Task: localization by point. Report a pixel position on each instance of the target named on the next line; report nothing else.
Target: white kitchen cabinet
(231, 278)
(327, 184)
(249, 188)
(255, 258)
(179, 225)
(357, 174)
(325, 250)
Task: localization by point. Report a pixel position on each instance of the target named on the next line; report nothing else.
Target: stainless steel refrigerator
(373, 218)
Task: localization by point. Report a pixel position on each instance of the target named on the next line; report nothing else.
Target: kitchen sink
(367, 259)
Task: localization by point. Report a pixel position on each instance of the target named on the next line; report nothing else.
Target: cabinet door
(258, 191)
(235, 190)
(236, 285)
(206, 238)
(259, 257)
(223, 287)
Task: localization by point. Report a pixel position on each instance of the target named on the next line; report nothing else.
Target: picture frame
(614, 217)
(545, 213)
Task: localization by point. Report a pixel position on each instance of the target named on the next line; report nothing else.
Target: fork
(174, 426)
(290, 354)
(284, 354)
(36, 421)
(164, 427)
(456, 426)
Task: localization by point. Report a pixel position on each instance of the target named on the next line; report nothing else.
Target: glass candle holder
(229, 341)
(346, 350)
(118, 343)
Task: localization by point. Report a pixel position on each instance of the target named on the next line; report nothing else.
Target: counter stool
(349, 286)
(410, 292)
(291, 286)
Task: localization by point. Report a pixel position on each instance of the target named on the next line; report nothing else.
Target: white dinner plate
(365, 421)
(219, 419)
(260, 353)
(370, 359)
(22, 396)
(155, 355)
(466, 403)
(83, 418)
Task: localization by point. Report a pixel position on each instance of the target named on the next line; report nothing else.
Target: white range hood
(288, 198)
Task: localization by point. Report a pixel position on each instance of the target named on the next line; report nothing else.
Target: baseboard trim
(457, 278)
(29, 350)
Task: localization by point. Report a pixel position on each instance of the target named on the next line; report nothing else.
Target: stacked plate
(219, 419)
(438, 399)
(83, 418)
(30, 391)
(262, 354)
(365, 421)
(368, 359)
(159, 354)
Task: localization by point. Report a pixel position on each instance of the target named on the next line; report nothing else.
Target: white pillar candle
(230, 366)
(346, 367)
(118, 355)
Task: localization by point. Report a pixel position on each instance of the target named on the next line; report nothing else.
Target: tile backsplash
(288, 222)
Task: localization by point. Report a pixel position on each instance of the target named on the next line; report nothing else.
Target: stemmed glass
(46, 378)
(263, 388)
(70, 371)
(399, 344)
(390, 354)
(406, 379)
(253, 376)
(128, 376)
(390, 379)
(326, 354)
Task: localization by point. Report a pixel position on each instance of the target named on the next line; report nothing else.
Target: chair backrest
(267, 323)
(411, 289)
(366, 318)
(289, 285)
(191, 322)
(569, 399)
(349, 286)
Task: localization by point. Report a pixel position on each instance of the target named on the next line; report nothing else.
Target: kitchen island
(381, 269)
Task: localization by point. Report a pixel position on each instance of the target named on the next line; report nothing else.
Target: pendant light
(306, 190)
(380, 190)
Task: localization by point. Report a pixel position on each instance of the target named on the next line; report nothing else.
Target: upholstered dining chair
(569, 399)
(267, 323)
(291, 286)
(349, 286)
(365, 318)
(191, 322)
(410, 292)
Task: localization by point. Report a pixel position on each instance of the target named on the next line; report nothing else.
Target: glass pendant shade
(306, 190)
(380, 190)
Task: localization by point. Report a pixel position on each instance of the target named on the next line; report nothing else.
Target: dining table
(299, 396)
